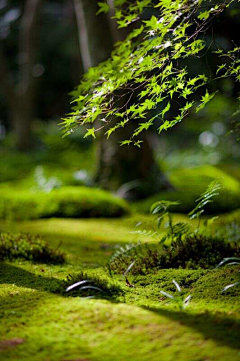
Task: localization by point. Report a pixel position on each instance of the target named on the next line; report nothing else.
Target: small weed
(179, 300)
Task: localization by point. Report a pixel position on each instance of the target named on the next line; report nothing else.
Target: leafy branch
(145, 73)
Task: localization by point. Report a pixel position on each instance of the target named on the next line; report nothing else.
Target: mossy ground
(39, 321)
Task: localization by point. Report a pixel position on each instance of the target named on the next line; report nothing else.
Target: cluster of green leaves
(29, 247)
(145, 73)
(161, 211)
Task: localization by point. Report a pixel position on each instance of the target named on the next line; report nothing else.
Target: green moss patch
(140, 325)
(29, 247)
(131, 323)
(70, 202)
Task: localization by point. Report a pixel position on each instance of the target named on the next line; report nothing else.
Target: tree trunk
(131, 170)
(22, 115)
(95, 38)
(21, 98)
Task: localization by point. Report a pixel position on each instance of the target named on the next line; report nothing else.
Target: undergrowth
(190, 247)
(28, 247)
(196, 251)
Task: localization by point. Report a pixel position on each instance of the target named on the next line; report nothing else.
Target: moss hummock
(190, 183)
(70, 202)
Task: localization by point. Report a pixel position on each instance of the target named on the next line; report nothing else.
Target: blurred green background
(43, 49)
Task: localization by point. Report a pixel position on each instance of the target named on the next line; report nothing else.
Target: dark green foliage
(59, 157)
(70, 202)
(195, 251)
(29, 247)
(92, 285)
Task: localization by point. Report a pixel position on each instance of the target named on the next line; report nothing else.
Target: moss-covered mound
(29, 247)
(201, 284)
(72, 202)
(190, 183)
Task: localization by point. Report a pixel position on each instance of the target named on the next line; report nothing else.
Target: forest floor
(40, 322)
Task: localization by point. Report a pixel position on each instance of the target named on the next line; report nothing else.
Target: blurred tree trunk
(21, 97)
(131, 170)
(95, 38)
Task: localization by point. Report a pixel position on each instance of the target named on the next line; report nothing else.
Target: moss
(200, 177)
(138, 326)
(63, 202)
(135, 325)
(29, 247)
(233, 217)
(190, 183)
(86, 241)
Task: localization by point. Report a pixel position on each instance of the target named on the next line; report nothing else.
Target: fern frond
(126, 251)
(205, 198)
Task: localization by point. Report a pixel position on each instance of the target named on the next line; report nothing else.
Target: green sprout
(179, 300)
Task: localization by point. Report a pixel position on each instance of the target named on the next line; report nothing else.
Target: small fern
(123, 254)
(205, 198)
(183, 237)
(129, 249)
(179, 300)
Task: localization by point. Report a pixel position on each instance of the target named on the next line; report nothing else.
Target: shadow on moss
(220, 328)
(11, 274)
